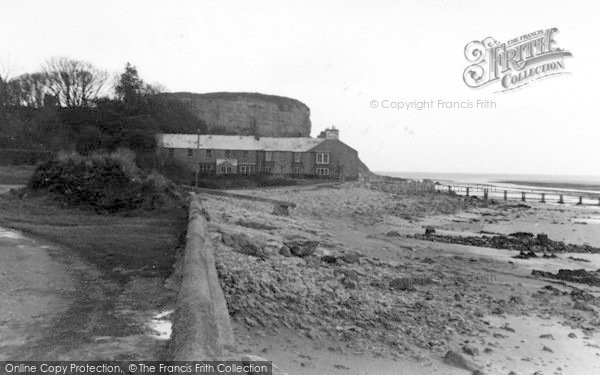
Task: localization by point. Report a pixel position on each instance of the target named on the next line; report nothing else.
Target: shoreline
(570, 183)
(413, 300)
(571, 186)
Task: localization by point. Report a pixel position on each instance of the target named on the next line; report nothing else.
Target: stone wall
(247, 113)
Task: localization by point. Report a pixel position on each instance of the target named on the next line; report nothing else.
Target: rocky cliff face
(247, 113)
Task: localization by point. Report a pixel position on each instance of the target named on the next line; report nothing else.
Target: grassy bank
(137, 243)
(15, 174)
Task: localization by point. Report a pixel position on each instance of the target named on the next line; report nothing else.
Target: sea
(575, 185)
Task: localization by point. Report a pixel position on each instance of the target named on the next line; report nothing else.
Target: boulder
(301, 247)
(280, 210)
(329, 259)
(402, 283)
(245, 244)
(471, 350)
(457, 360)
(350, 258)
(285, 251)
(349, 283)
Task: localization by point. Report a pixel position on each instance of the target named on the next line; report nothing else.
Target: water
(161, 325)
(587, 184)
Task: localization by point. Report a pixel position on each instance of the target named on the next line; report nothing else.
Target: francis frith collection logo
(514, 63)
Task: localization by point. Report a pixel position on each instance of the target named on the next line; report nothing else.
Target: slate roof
(237, 142)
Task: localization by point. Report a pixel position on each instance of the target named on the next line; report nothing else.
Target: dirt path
(35, 291)
(54, 306)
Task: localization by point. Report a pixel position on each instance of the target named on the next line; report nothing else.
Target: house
(208, 154)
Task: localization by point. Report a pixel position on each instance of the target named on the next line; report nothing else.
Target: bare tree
(154, 88)
(5, 91)
(30, 89)
(74, 82)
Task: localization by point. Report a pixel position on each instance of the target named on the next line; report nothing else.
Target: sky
(340, 57)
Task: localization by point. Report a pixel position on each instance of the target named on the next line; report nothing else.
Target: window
(297, 171)
(227, 153)
(322, 171)
(297, 157)
(268, 155)
(205, 169)
(246, 170)
(322, 157)
(171, 152)
(268, 170)
(209, 154)
(190, 152)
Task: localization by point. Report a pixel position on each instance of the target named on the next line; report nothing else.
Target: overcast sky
(338, 56)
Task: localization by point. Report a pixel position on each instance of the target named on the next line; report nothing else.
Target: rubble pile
(577, 276)
(368, 303)
(355, 202)
(521, 241)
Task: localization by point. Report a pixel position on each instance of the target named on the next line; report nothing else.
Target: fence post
(505, 195)
(523, 196)
(560, 199)
(449, 189)
(543, 198)
(467, 191)
(485, 194)
(580, 201)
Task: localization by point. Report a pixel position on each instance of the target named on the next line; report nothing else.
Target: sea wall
(201, 325)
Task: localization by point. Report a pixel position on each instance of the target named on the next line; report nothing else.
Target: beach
(348, 284)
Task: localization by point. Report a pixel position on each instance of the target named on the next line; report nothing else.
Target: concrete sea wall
(201, 326)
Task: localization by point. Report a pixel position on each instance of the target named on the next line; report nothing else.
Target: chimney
(330, 133)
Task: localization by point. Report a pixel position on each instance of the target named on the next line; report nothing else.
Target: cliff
(247, 113)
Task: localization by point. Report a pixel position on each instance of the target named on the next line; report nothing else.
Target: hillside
(246, 113)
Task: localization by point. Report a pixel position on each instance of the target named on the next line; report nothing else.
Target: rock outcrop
(247, 113)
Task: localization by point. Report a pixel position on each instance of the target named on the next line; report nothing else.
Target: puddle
(161, 325)
(13, 235)
(7, 188)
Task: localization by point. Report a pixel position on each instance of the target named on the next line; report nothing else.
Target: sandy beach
(342, 286)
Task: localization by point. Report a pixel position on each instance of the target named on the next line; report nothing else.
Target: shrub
(176, 170)
(106, 182)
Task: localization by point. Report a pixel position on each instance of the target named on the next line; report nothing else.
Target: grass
(143, 243)
(15, 174)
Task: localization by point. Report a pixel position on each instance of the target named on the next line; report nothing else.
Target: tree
(74, 82)
(30, 89)
(5, 90)
(129, 85)
(154, 88)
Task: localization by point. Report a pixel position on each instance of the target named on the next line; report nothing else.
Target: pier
(489, 191)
